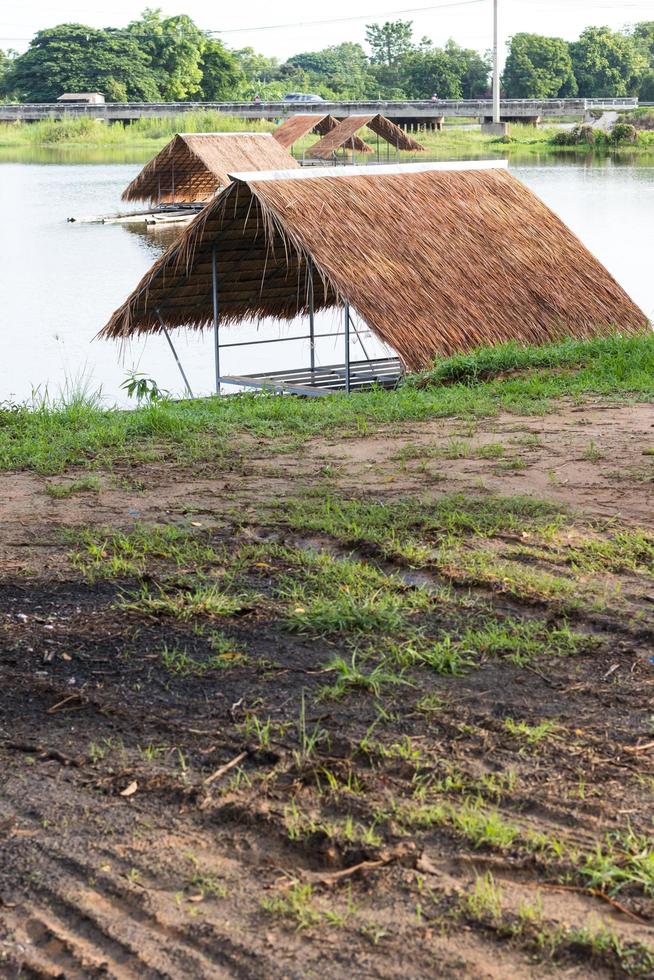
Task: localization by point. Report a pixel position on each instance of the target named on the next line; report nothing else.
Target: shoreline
(153, 134)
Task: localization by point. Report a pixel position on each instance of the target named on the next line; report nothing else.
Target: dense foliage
(539, 68)
(171, 59)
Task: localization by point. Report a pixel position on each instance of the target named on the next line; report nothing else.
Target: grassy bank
(77, 431)
(369, 695)
(149, 132)
(454, 140)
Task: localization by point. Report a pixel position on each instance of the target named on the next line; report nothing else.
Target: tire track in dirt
(77, 927)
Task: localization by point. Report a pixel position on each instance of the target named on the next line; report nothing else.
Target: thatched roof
(343, 136)
(194, 166)
(295, 127)
(434, 258)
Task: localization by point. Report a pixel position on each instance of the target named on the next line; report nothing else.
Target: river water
(60, 282)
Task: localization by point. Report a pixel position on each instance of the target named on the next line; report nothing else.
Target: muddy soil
(188, 796)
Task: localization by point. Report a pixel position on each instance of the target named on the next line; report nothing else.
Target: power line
(343, 20)
(589, 5)
(277, 27)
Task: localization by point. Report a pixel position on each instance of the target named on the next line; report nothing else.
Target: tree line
(157, 58)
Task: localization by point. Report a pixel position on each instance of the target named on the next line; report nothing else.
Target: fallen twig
(44, 755)
(60, 704)
(330, 879)
(597, 893)
(228, 765)
(635, 749)
(542, 676)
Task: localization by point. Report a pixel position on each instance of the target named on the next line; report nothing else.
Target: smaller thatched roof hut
(435, 258)
(344, 135)
(295, 127)
(195, 166)
(82, 98)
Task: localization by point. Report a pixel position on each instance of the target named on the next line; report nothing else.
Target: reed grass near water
(51, 435)
(455, 141)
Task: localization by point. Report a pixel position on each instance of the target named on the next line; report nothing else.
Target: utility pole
(496, 63)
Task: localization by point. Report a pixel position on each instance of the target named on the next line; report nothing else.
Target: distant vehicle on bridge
(300, 97)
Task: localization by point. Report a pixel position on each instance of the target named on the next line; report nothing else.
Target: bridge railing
(471, 107)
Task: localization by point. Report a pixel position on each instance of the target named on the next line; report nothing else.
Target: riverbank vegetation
(153, 132)
(454, 141)
(365, 676)
(75, 430)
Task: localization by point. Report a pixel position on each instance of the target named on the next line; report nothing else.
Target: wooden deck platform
(164, 214)
(381, 373)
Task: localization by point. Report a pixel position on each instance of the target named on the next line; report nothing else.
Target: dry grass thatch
(435, 258)
(298, 126)
(194, 166)
(343, 136)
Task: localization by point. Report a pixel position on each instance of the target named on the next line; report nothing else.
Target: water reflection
(78, 154)
(142, 153)
(155, 239)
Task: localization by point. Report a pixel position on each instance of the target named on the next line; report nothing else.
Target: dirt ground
(194, 795)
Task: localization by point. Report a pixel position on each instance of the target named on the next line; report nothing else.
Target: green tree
(222, 76)
(539, 68)
(646, 87)
(175, 46)
(390, 42)
(343, 68)
(429, 70)
(7, 60)
(76, 58)
(257, 68)
(471, 69)
(260, 75)
(643, 35)
(607, 64)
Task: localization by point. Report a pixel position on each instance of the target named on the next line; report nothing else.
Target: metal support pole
(170, 344)
(347, 347)
(216, 335)
(358, 336)
(172, 179)
(496, 63)
(312, 323)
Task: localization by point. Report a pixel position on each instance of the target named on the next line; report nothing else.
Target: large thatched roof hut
(295, 127)
(343, 136)
(194, 166)
(434, 258)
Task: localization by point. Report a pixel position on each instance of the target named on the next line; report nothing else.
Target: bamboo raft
(165, 214)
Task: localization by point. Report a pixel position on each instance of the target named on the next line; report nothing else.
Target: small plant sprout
(530, 734)
(485, 899)
(592, 453)
(143, 389)
(308, 739)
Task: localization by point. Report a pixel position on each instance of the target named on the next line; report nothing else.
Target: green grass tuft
(78, 431)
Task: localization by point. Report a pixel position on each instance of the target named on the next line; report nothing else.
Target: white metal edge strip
(371, 170)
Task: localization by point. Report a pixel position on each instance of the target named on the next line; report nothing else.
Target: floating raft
(381, 373)
(166, 214)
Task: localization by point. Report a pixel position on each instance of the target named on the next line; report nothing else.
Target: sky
(290, 26)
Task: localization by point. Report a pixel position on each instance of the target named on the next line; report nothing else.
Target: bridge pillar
(494, 129)
(524, 120)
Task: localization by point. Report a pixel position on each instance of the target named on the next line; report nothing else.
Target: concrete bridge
(403, 113)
